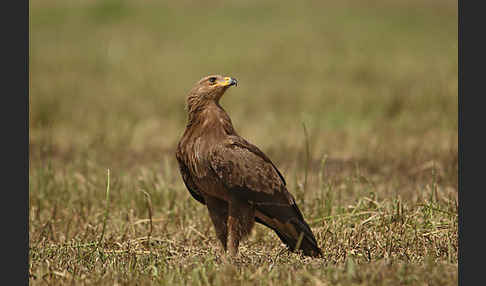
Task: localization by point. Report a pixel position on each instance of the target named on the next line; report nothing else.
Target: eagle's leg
(240, 222)
(218, 211)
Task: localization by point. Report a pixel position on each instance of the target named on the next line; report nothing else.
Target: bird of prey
(235, 180)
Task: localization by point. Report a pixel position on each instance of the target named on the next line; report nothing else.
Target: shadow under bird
(237, 182)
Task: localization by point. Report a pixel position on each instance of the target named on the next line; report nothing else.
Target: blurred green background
(110, 77)
(370, 88)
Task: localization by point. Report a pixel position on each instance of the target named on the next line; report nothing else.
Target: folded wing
(249, 175)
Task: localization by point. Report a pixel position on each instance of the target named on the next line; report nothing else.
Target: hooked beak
(228, 81)
(233, 81)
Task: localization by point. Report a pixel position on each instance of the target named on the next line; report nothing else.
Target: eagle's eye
(212, 79)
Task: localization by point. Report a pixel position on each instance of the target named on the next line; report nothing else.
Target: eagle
(236, 181)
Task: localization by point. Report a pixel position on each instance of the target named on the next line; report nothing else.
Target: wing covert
(247, 173)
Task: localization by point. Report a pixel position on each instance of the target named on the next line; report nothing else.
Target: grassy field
(355, 103)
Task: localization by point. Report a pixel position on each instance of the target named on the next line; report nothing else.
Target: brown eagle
(233, 178)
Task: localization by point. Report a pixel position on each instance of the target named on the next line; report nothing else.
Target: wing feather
(247, 172)
(187, 178)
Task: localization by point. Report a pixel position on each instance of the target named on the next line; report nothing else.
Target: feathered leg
(218, 211)
(240, 223)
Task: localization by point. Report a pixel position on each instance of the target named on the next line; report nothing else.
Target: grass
(356, 104)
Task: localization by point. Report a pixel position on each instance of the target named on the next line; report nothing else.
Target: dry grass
(369, 236)
(374, 172)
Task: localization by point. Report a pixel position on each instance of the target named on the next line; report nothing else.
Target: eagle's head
(207, 89)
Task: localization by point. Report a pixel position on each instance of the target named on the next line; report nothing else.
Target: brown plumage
(233, 178)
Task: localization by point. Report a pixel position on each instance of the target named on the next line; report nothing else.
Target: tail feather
(289, 225)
